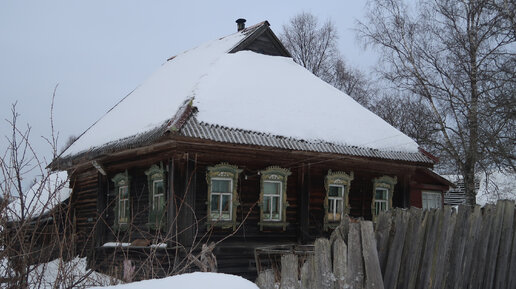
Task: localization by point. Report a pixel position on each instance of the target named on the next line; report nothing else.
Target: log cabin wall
(187, 164)
(84, 209)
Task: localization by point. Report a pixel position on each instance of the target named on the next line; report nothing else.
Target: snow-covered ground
(59, 274)
(197, 280)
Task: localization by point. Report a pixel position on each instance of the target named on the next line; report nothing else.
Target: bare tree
(353, 82)
(314, 47)
(458, 56)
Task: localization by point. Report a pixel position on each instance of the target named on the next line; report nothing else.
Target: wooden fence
(348, 260)
(445, 248)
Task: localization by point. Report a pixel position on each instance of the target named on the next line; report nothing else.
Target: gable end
(263, 41)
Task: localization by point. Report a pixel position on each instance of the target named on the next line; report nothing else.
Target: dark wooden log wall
(84, 209)
(187, 163)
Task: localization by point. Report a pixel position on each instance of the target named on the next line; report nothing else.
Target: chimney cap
(240, 24)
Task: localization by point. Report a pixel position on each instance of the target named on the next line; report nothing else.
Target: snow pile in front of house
(197, 280)
(249, 91)
(58, 272)
(41, 197)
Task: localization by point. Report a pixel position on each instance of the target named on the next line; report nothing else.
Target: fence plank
(505, 244)
(307, 279)
(443, 247)
(396, 249)
(355, 261)
(492, 250)
(481, 247)
(383, 237)
(418, 250)
(511, 282)
(289, 272)
(469, 258)
(340, 263)
(424, 280)
(323, 270)
(409, 247)
(266, 280)
(373, 273)
(457, 248)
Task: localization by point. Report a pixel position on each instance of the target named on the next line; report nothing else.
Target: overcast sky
(99, 51)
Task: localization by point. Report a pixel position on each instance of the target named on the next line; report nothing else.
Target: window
(381, 200)
(123, 205)
(336, 203)
(271, 201)
(273, 197)
(222, 201)
(383, 190)
(123, 201)
(221, 195)
(157, 197)
(431, 200)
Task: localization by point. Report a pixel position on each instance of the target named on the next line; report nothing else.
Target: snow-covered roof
(41, 197)
(246, 91)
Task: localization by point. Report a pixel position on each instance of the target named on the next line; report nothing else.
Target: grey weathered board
(472, 248)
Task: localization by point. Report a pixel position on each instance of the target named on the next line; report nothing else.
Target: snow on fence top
(244, 90)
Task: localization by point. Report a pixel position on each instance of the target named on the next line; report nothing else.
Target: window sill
(275, 224)
(222, 224)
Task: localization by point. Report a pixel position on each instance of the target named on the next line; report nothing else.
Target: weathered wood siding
(84, 209)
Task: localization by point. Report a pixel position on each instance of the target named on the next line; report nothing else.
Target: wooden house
(234, 141)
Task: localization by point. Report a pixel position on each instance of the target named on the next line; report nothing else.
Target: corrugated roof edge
(194, 129)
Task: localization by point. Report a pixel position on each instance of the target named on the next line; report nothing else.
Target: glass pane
(331, 205)
(381, 194)
(215, 198)
(226, 203)
(159, 188)
(221, 186)
(339, 208)
(270, 188)
(159, 202)
(275, 210)
(335, 191)
(123, 192)
(266, 207)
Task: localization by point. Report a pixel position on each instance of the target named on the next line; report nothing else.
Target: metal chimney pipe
(240, 24)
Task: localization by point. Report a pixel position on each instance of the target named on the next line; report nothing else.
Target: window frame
(385, 201)
(156, 217)
(341, 179)
(434, 193)
(280, 175)
(223, 171)
(385, 182)
(122, 180)
(279, 196)
(230, 193)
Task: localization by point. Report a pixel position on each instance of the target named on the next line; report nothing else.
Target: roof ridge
(248, 31)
